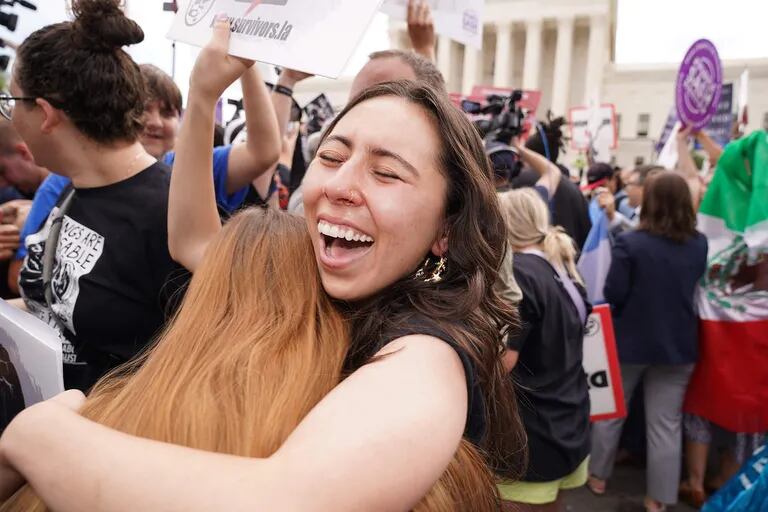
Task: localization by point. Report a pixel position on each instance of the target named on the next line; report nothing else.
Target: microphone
(28, 5)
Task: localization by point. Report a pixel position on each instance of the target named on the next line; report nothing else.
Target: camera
(503, 116)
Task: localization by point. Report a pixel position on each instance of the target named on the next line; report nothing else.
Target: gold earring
(437, 273)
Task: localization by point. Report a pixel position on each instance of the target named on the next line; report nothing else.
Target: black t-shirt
(113, 278)
(552, 388)
(568, 205)
(418, 324)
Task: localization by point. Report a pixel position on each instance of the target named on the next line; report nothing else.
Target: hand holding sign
(215, 69)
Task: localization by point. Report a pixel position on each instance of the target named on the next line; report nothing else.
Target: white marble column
(561, 85)
(597, 57)
(502, 67)
(444, 57)
(532, 63)
(472, 68)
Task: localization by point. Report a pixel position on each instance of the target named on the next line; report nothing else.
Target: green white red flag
(730, 384)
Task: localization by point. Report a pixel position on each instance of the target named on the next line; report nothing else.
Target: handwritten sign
(315, 36)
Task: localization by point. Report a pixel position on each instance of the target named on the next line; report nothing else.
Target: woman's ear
(440, 247)
(51, 118)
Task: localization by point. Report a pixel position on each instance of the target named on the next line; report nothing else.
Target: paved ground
(625, 494)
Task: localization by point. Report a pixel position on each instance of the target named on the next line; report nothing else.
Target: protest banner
(31, 362)
(594, 129)
(461, 20)
(601, 364)
(699, 84)
(317, 36)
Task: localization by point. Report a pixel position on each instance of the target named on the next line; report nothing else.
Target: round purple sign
(699, 84)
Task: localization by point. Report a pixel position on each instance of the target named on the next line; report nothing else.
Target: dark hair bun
(101, 25)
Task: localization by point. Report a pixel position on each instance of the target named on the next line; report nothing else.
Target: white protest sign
(31, 367)
(594, 128)
(461, 20)
(315, 36)
(601, 364)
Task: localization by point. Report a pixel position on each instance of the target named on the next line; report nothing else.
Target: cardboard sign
(31, 362)
(699, 84)
(315, 36)
(461, 20)
(601, 364)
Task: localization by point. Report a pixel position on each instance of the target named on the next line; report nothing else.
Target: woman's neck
(527, 248)
(97, 165)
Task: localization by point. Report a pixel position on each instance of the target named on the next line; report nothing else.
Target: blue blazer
(651, 286)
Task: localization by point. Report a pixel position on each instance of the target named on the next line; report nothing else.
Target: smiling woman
(390, 199)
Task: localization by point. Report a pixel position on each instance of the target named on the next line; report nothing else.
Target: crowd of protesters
(408, 335)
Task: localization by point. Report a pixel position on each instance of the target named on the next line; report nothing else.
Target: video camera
(504, 116)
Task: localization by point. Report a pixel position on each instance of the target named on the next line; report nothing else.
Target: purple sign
(699, 84)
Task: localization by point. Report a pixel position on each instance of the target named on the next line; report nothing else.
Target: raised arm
(193, 220)
(549, 172)
(421, 28)
(377, 442)
(260, 151)
(282, 101)
(712, 148)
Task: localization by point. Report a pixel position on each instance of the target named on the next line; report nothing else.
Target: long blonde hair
(216, 379)
(527, 219)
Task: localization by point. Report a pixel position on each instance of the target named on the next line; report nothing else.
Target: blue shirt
(48, 194)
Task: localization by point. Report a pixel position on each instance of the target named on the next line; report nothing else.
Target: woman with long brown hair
(408, 238)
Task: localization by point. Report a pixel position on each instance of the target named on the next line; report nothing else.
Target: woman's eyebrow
(375, 151)
(381, 152)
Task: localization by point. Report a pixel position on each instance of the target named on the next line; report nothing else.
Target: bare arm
(193, 220)
(549, 172)
(251, 159)
(283, 103)
(377, 442)
(687, 167)
(421, 29)
(712, 148)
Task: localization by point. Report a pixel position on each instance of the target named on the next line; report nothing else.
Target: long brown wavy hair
(215, 380)
(465, 303)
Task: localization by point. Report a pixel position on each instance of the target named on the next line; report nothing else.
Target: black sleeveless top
(418, 324)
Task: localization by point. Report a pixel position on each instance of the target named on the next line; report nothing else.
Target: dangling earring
(437, 273)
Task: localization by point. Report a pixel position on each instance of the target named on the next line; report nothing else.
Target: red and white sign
(601, 364)
(594, 128)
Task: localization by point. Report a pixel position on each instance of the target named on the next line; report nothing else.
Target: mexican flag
(730, 384)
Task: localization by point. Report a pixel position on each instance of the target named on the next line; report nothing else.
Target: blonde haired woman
(545, 357)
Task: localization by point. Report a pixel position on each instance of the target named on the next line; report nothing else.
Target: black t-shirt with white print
(113, 276)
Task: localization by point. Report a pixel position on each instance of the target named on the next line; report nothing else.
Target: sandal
(596, 486)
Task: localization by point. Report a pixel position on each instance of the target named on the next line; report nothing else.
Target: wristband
(281, 89)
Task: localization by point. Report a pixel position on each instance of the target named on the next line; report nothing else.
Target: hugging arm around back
(370, 444)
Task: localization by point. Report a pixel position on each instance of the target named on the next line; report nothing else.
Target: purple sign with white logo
(699, 84)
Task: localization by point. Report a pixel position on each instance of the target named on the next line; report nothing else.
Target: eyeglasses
(7, 102)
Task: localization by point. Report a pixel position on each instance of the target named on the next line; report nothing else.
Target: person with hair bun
(98, 270)
(545, 357)
(422, 378)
